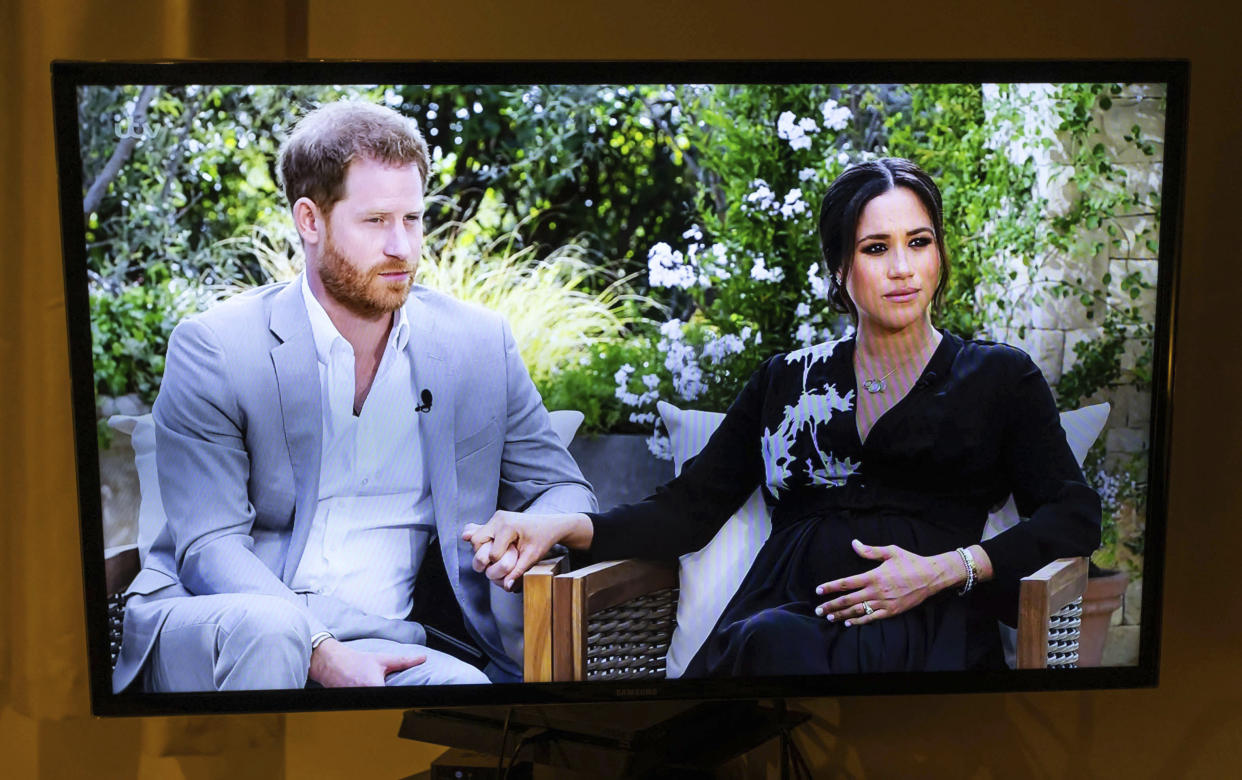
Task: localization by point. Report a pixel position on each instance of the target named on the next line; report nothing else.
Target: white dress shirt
(374, 517)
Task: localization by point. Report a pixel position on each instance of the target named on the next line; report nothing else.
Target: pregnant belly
(819, 549)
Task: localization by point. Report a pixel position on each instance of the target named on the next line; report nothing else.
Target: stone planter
(1102, 599)
(619, 467)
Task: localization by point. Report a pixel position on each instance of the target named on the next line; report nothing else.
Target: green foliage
(763, 155)
(1122, 487)
(130, 326)
(589, 385)
(617, 384)
(555, 317)
(571, 164)
(990, 211)
(720, 182)
(1099, 360)
(202, 170)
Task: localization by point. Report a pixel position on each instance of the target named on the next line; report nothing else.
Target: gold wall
(1190, 726)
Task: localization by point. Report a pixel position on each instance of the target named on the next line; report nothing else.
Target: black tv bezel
(68, 76)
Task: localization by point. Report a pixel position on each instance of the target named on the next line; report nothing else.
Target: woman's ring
(867, 608)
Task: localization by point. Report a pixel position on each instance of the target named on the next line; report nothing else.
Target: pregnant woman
(879, 455)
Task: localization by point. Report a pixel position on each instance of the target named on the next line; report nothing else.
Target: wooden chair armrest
(1041, 595)
(537, 617)
(579, 594)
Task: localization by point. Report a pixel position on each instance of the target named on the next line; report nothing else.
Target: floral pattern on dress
(793, 453)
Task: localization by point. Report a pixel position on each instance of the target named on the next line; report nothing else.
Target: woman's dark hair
(843, 205)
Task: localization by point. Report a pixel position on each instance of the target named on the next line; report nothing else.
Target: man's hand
(511, 542)
(333, 665)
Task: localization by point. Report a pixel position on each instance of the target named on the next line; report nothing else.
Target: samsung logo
(637, 691)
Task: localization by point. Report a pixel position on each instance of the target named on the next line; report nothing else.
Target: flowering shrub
(766, 154)
(690, 364)
(1122, 488)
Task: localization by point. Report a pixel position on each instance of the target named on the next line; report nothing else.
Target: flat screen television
(649, 230)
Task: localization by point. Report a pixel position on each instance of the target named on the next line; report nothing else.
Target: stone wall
(1121, 648)
(1047, 327)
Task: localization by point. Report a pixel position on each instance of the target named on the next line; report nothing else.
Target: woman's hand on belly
(902, 581)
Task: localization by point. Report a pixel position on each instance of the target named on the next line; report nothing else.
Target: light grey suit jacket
(238, 435)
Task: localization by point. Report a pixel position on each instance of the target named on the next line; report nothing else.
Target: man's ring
(867, 608)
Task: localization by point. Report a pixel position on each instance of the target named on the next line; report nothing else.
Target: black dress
(980, 423)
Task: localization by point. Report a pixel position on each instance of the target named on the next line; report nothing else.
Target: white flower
(761, 196)
(795, 131)
(622, 377)
(647, 418)
(671, 330)
(761, 273)
(843, 159)
(623, 394)
(669, 268)
(689, 383)
(660, 446)
(693, 233)
(463, 113)
(786, 124)
(651, 381)
(819, 287)
(806, 174)
(717, 350)
(836, 117)
(717, 264)
(806, 334)
(803, 311)
(793, 205)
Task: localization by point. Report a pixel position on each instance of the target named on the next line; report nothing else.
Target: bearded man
(321, 440)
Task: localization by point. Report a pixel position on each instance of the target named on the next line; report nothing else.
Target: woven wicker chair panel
(630, 641)
(1063, 630)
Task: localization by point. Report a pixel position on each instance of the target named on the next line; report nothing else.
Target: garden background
(659, 241)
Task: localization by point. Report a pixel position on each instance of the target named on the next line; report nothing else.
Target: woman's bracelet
(972, 574)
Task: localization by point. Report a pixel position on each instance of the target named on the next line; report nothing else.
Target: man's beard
(364, 293)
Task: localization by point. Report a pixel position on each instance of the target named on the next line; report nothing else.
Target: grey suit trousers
(253, 642)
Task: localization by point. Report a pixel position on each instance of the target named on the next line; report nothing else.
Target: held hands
(334, 665)
(511, 542)
(902, 581)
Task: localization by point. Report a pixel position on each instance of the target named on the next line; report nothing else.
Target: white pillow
(565, 424)
(151, 518)
(710, 576)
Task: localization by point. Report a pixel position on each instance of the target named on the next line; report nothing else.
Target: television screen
(448, 383)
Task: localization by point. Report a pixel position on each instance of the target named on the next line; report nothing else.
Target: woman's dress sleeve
(684, 514)
(1048, 485)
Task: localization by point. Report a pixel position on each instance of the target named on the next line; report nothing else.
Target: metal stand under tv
(623, 740)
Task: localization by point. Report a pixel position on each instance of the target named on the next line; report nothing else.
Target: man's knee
(439, 669)
(264, 641)
(264, 619)
(239, 642)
